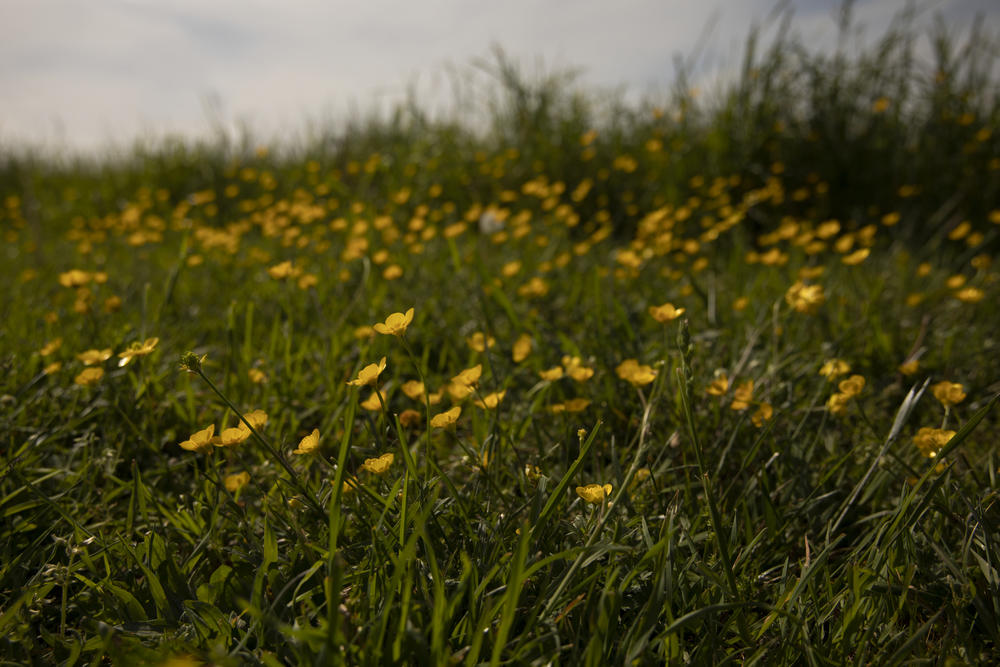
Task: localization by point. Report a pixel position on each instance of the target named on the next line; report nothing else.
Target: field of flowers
(696, 382)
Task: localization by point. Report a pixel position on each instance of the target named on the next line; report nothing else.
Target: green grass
(728, 536)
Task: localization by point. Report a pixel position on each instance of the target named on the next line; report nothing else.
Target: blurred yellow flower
(522, 348)
(470, 376)
(257, 376)
(395, 324)
(91, 357)
(74, 278)
(931, 440)
(635, 373)
(490, 401)
(308, 444)
(200, 441)
(837, 403)
(852, 386)
(805, 298)
(742, 396)
(88, 377)
(909, 367)
(718, 386)
(446, 418)
(833, 368)
(594, 493)
(379, 465)
(373, 402)
(414, 389)
(480, 341)
(50, 347)
(949, 393)
(369, 374)
(232, 436)
(237, 481)
(764, 413)
(137, 349)
(551, 374)
(970, 295)
(665, 313)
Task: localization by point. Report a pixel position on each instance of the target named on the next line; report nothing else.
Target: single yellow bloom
(718, 386)
(237, 481)
(837, 403)
(369, 374)
(50, 347)
(805, 298)
(909, 367)
(379, 464)
(594, 493)
(460, 392)
(635, 373)
(91, 357)
(665, 313)
(742, 396)
(576, 404)
(856, 257)
(414, 389)
(410, 418)
(137, 349)
(490, 401)
(852, 386)
(74, 278)
(522, 348)
(931, 440)
(764, 413)
(257, 418)
(834, 367)
(283, 270)
(52, 368)
(446, 418)
(970, 295)
(232, 436)
(200, 441)
(372, 403)
(308, 444)
(257, 376)
(395, 324)
(88, 377)
(551, 374)
(470, 376)
(949, 393)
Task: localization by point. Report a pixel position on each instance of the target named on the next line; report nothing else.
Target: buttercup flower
(137, 349)
(837, 403)
(369, 374)
(718, 386)
(551, 374)
(237, 481)
(805, 298)
(742, 396)
(395, 324)
(490, 401)
(88, 377)
(522, 348)
(91, 357)
(635, 373)
(852, 386)
(480, 341)
(665, 313)
(594, 493)
(200, 441)
(931, 440)
(949, 393)
(832, 368)
(378, 465)
(308, 444)
(764, 413)
(446, 418)
(414, 389)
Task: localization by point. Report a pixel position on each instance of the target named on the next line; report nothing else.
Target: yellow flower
(480, 341)
(635, 373)
(50, 347)
(283, 270)
(91, 357)
(856, 257)
(200, 441)
(237, 481)
(837, 403)
(970, 295)
(665, 313)
(522, 348)
(257, 376)
(373, 402)
(576, 370)
(257, 418)
(410, 418)
(576, 404)
(470, 376)
(395, 324)
(490, 401)
(88, 377)
(379, 464)
(308, 444)
(551, 374)
(718, 386)
(931, 440)
(52, 368)
(834, 367)
(764, 413)
(949, 393)
(852, 386)
(446, 418)
(909, 367)
(594, 493)
(805, 298)
(137, 349)
(414, 389)
(369, 374)
(232, 436)
(742, 396)
(74, 278)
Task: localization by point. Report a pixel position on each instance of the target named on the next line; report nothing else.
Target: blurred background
(97, 75)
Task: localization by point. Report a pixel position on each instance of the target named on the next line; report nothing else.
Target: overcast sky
(82, 74)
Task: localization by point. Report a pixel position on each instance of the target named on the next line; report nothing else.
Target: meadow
(708, 380)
